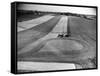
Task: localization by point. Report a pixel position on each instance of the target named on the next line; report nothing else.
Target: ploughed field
(38, 40)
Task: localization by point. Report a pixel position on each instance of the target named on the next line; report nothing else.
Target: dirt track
(81, 29)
